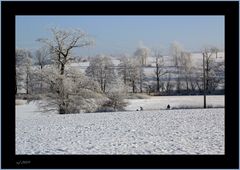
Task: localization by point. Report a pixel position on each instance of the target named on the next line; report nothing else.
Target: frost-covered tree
(62, 44)
(101, 70)
(130, 71)
(19, 57)
(134, 74)
(71, 92)
(185, 63)
(19, 79)
(116, 97)
(61, 86)
(123, 69)
(141, 78)
(115, 101)
(23, 69)
(142, 53)
(42, 58)
(176, 50)
(215, 50)
(211, 68)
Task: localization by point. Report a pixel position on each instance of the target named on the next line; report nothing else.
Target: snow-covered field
(156, 102)
(191, 131)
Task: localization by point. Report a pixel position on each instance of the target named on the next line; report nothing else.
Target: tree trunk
(104, 86)
(178, 85)
(157, 74)
(133, 86)
(178, 80)
(62, 69)
(125, 76)
(141, 83)
(207, 76)
(187, 85)
(41, 80)
(62, 110)
(192, 86)
(204, 83)
(158, 84)
(27, 84)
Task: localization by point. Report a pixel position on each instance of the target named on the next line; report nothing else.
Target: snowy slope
(147, 132)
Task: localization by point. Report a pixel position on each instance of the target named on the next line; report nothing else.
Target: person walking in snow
(168, 106)
(141, 108)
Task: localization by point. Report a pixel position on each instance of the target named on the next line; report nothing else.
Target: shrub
(114, 102)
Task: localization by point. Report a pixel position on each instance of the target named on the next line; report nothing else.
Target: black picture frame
(230, 10)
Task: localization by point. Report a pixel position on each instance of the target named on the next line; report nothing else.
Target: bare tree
(134, 74)
(159, 68)
(62, 44)
(169, 85)
(210, 68)
(193, 78)
(141, 78)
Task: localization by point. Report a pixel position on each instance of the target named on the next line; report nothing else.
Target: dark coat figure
(141, 108)
(168, 106)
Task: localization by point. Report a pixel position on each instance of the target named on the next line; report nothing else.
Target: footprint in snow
(61, 150)
(90, 147)
(148, 151)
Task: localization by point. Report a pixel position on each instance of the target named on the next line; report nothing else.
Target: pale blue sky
(123, 34)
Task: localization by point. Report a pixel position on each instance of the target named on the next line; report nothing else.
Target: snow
(116, 62)
(161, 102)
(20, 102)
(191, 131)
(82, 66)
